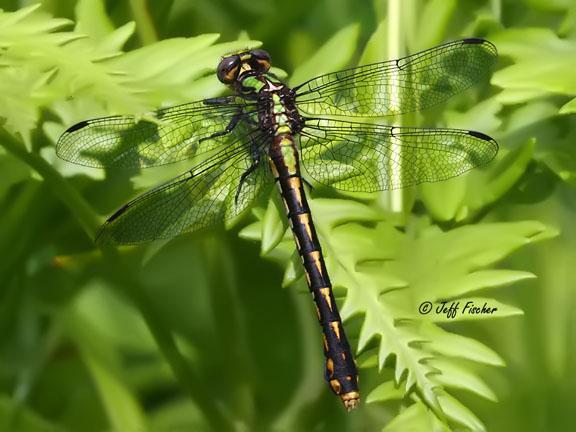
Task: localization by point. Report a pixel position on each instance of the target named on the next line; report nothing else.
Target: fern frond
(47, 66)
(387, 274)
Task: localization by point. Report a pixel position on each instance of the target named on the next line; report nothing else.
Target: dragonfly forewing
(400, 86)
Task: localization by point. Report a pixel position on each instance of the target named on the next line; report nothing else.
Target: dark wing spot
(117, 213)
(473, 41)
(480, 135)
(77, 126)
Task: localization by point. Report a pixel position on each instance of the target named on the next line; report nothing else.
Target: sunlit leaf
(333, 55)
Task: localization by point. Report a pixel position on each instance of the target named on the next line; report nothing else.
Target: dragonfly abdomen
(340, 366)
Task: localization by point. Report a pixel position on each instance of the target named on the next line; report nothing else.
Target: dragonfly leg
(229, 128)
(245, 175)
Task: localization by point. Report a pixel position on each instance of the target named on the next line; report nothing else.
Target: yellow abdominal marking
(330, 367)
(316, 257)
(305, 220)
(335, 384)
(326, 294)
(335, 329)
(295, 185)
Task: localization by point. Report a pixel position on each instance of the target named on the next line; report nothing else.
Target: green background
(215, 331)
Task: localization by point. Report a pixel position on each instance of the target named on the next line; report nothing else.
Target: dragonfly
(264, 133)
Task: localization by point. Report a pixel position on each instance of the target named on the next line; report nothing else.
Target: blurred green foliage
(196, 334)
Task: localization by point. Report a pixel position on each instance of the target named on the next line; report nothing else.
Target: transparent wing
(156, 138)
(204, 196)
(399, 86)
(367, 158)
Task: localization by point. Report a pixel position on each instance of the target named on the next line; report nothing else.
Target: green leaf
(376, 47)
(434, 21)
(456, 375)
(550, 5)
(569, 108)
(294, 270)
(454, 345)
(459, 413)
(416, 418)
(121, 405)
(484, 279)
(513, 96)
(481, 245)
(92, 19)
(274, 225)
(461, 283)
(444, 200)
(481, 117)
(543, 62)
(385, 392)
(47, 65)
(177, 415)
(333, 55)
(251, 232)
(526, 116)
(458, 253)
(118, 38)
(339, 212)
(13, 171)
(15, 417)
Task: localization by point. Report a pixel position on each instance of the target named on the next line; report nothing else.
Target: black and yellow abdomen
(340, 366)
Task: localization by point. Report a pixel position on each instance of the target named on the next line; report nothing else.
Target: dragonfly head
(233, 66)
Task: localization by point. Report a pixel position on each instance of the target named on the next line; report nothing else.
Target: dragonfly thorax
(277, 107)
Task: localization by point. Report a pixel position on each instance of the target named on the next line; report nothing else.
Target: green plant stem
(395, 50)
(496, 6)
(144, 22)
(402, 19)
(69, 196)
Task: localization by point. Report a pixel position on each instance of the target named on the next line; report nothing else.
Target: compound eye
(228, 69)
(262, 58)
